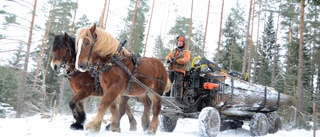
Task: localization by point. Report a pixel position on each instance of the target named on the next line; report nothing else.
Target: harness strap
(158, 80)
(130, 83)
(95, 75)
(118, 62)
(72, 73)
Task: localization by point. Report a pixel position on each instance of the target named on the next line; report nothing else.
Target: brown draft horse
(82, 84)
(98, 48)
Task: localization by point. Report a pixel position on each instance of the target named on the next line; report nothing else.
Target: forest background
(275, 41)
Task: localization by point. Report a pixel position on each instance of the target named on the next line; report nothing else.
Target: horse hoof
(113, 129)
(148, 132)
(76, 126)
(133, 128)
(90, 133)
(108, 127)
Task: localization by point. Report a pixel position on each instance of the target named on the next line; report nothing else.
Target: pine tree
(16, 61)
(83, 22)
(268, 51)
(197, 39)
(136, 43)
(61, 21)
(232, 33)
(181, 28)
(289, 14)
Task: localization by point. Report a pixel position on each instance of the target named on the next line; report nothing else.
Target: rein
(133, 78)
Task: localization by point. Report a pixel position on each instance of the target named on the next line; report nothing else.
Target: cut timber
(246, 98)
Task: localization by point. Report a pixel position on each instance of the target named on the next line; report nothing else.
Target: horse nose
(54, 66)
(82, 67)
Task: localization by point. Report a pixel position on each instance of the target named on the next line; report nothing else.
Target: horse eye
(86, 43)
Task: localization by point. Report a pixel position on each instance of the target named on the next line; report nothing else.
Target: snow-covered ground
(59, 127)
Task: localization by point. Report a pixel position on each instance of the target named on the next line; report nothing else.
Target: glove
(171, 60)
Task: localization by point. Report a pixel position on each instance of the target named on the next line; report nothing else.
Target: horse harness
(117, 60)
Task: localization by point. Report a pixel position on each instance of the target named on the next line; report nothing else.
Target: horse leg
(95, 124)
(156, 111)
(145, 119)
(76, 106)
(132, 120)
(114, 126)
(125, 108)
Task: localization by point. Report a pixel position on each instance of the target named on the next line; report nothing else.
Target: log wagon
(222, 100)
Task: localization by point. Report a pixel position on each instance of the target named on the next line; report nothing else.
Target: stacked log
(246, 98)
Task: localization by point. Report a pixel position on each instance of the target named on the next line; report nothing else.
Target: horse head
(93, 45)
(63, 51)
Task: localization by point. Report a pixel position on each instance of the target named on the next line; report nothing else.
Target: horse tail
(168, 86)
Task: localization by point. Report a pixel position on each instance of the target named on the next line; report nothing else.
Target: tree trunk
(300, 64)
(256, 58)
(164, 32)
(175, 29)
(43, 89)
(247, 98)
(145, 45)
(263, 42)
(105, 22)
(314, 118)
(43, 45)
(25, 68)
(220, 31)
(231, 51)
(190, 26)
(273, 76)
(244, 60)
(313, 67)
(205, 31)
(73, 21)
(132, 25)
(288, 58)
(102, 15)
(251, 41)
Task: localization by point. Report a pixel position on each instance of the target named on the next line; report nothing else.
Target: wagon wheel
(274, 122)
(168, 124)
(209, 122)
(259, 125)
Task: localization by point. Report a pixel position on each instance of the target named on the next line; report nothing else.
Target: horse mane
(59, 41)
(105, 43)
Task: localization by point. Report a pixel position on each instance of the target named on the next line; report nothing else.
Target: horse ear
(66, 36)
(93, 28)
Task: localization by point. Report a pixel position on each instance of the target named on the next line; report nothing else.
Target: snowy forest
(275, 41)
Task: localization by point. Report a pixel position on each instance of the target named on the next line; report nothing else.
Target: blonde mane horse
(82, 84)
(106, 46)
(95, 47)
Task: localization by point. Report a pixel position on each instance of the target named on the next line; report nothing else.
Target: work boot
(179, 93)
